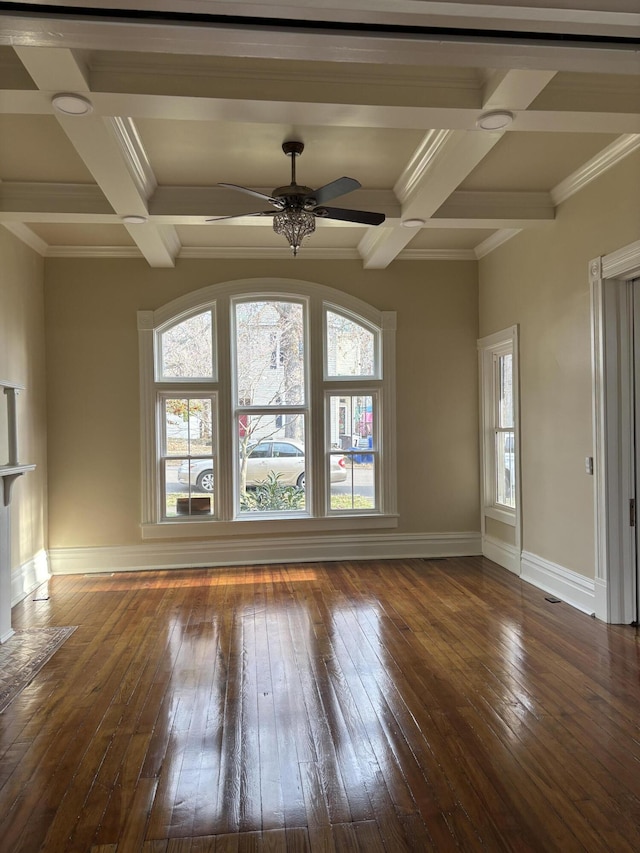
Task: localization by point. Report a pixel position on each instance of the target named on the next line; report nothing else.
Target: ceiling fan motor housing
(293, 147)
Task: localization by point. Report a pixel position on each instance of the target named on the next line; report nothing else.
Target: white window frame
(318, 297)
(490, 349)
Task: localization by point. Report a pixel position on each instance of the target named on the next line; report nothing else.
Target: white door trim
(610, 276)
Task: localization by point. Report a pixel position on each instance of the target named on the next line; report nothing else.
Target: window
(267, 403)
(499, 409)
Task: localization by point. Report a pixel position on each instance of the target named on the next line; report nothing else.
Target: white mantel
(9, 473)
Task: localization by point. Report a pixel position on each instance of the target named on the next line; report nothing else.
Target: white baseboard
(502, 553)
(601, 600)
(29, 576)
(250, 551)
(565, 584)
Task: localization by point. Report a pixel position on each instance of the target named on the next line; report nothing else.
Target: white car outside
(284, 457)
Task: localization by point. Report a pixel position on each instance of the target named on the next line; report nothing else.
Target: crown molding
(93, 252)
(27, 236)
(248, 253)
(597, 166)
(423, 159)
(497, 239)
(623, 263)
(437, 255)
(134, 154)
(266, 253)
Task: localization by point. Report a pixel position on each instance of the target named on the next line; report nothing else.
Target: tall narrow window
(505, 486)
(499, 411)
(270, 372)
(189, 453)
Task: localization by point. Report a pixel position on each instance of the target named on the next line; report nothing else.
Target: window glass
(271, 474)
(188, 456)
(270, 353)
(350, 347)
(505, 469)
(282, 448)
(352, 470)
(186, 349)
(505, 397)
(260, 451)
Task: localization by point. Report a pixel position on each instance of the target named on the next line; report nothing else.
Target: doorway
(634, 287)
(615, 292)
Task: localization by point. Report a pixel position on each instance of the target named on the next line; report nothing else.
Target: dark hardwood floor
(403, 705)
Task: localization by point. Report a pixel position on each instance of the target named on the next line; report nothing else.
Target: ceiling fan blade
(242, 215)
(249, 192)
(366, 217)
(341, 186)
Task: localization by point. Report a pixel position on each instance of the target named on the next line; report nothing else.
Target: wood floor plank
(405, 705)
(297, 839)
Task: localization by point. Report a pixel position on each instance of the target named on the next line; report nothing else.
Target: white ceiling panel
(534, 161)
(192, 153)
(76, 234)
(35, 148)
(453, 238)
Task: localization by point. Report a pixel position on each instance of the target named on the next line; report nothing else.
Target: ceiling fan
(297, 207)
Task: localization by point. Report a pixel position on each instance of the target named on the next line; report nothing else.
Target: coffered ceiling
(182, 103)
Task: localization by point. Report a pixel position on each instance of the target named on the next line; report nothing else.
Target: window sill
(506, 516)
(203, 528)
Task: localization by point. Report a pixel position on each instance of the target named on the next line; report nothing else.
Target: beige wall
(539, 279)
(92, 349)
(22, 354)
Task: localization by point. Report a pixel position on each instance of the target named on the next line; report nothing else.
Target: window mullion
(319, 498)
(226, 438)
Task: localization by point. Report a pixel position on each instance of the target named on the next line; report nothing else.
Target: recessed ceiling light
(71, 105)
(134, 219)
(413, 223)
(496, 120)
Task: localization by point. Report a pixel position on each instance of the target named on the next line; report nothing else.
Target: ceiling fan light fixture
(70, 104)
(495, 120)
(134, 219)
(413, 223)
(294, 225)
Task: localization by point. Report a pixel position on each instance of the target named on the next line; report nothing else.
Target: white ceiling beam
(532, 16)
(176, 108)
(96, 142)
(442, 162)
(514, 89)
(190, 205)
(82, 204)
(158, 243)
(52, 69)
(109, 147)
(85, 200)
(363, 47)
